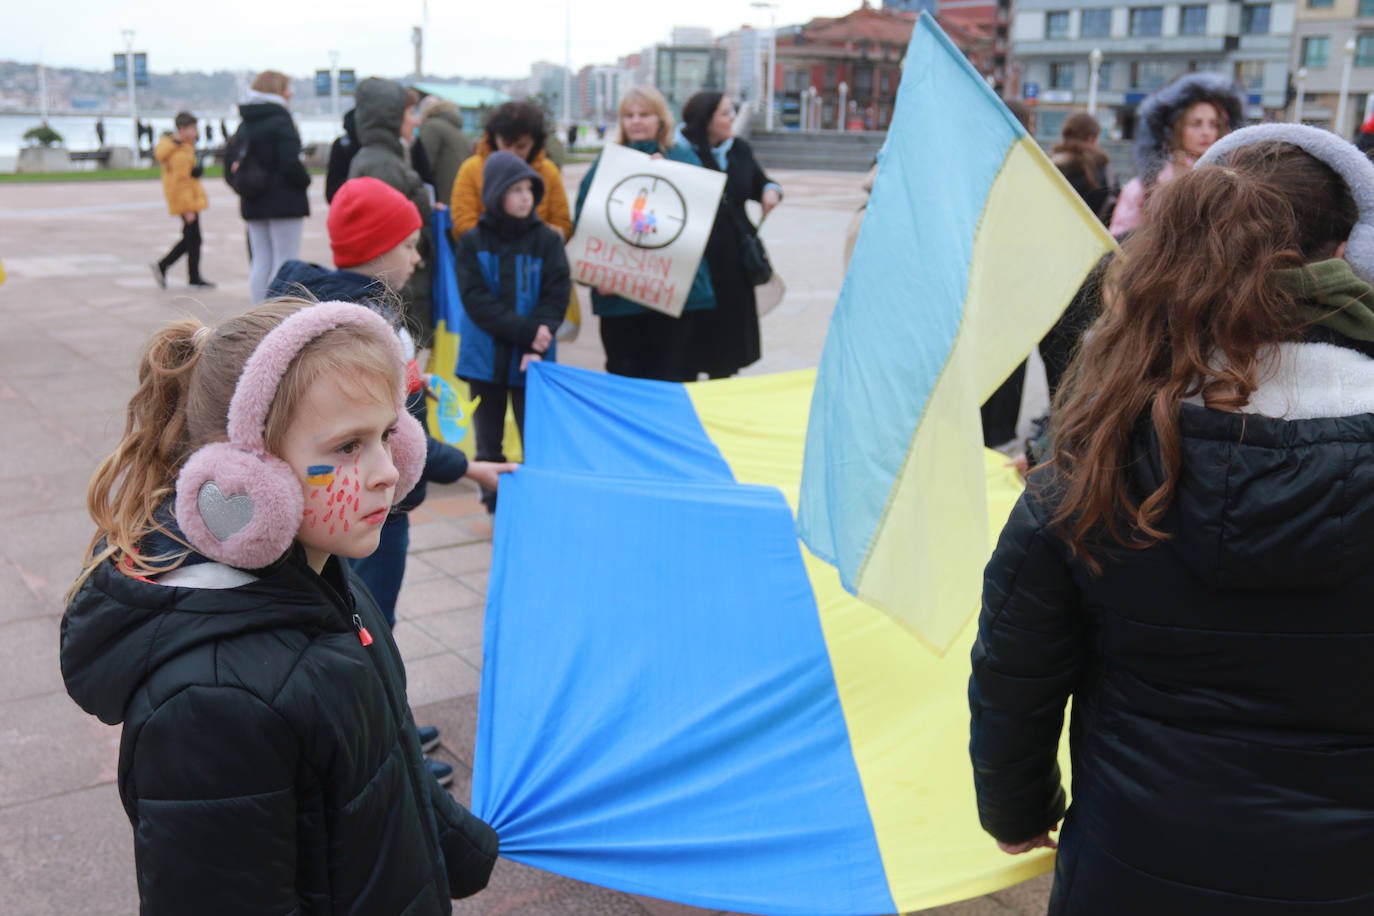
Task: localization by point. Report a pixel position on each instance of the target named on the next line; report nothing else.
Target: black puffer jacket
(1223, 710)
(512, 277)
(269, 763)
(274, 142)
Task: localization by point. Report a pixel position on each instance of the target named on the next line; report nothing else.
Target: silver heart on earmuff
(225, 516)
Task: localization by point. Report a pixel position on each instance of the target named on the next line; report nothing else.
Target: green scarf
(1329, 294)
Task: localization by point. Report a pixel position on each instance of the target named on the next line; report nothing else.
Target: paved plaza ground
(79, 303)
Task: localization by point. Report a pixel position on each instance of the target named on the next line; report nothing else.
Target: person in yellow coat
(516, 127)
(176, 153)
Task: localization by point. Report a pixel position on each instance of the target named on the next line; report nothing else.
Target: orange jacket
(466, 205)
(184, 194)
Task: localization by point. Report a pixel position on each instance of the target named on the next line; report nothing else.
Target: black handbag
(757, 267)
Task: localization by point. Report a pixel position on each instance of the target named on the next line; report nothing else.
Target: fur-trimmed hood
(1156, 115)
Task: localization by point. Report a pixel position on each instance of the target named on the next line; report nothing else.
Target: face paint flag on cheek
(319, 475)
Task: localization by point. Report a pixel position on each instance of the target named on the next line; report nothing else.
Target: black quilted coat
(1222, 731)
(275, 143)
(269, 763)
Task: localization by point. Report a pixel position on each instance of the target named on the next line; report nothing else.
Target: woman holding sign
(641, 342)
(726, 339)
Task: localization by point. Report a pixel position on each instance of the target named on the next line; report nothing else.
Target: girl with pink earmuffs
(268, 762)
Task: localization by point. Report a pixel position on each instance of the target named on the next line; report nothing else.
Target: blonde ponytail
(134, 481)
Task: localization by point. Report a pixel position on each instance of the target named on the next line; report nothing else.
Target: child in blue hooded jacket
(514, 281)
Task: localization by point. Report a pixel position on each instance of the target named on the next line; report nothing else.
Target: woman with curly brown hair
(1177, 123)
(516, 127)
(1194, 562)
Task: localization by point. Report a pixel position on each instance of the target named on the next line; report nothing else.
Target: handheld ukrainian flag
(971, 248)
(450, 419)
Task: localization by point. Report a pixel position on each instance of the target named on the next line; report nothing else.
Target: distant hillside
(92, 91)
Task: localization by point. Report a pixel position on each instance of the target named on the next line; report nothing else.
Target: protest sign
(643, 228)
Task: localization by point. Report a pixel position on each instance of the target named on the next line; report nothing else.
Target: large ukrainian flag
(678, 701)
(971, 247)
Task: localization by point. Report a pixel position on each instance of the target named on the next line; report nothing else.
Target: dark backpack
(243, 171)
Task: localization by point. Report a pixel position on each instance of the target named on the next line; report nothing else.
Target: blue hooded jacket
(512, 277)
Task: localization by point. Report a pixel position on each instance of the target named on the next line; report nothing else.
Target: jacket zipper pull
(364, 637)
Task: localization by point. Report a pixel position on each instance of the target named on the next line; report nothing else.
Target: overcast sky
(464, 37)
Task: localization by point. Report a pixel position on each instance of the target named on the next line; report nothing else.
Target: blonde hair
(273, 81)
(186, 378)
(652, 99)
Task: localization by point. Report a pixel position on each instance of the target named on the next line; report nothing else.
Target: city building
(1330, 35)
(688, 35)
(981, 20)
(597, 90)
(1135, 49)
(635, 69)
(546, 86)
(746, 64)
(691, 63)
(856, 61)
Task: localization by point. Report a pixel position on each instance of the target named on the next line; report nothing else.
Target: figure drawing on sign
(641, 205)
(641, 223)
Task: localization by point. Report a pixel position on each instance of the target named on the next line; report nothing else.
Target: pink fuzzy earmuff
(237, 503)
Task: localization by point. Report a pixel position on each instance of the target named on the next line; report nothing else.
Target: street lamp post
(43, 93)
(133, 93)
(844, 107)
(334, 83)
(1345, 86)
(1299, 78)
(1094, 70)
(567, 64)
(772, 55)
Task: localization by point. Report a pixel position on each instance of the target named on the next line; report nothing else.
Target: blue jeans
(383, 570)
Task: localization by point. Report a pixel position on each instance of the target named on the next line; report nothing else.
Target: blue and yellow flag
(972, 245)
(450, 417)
(678, 701)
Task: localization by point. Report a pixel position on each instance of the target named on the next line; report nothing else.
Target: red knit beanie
(367, 218)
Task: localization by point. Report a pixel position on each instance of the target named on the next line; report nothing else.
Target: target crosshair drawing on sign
(646, 211)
